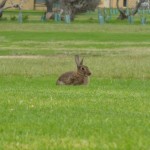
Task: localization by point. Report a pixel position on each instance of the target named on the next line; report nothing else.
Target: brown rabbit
(75, 78)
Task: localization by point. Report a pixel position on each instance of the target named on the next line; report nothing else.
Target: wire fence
(105, 15)
(101, 16)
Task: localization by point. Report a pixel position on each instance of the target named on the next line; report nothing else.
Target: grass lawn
(112, 112)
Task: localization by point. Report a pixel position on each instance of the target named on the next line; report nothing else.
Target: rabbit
(80, 77)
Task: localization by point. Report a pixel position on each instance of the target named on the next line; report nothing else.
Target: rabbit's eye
(82, 68)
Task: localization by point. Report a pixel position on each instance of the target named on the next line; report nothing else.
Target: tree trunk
(123, 15)
(72, 7)
(2, 8)
(2, 4)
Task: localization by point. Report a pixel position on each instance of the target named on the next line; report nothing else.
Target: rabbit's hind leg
(60, 83)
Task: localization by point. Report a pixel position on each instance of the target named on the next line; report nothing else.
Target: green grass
(108, 114)
(19, 39)
(112, 112)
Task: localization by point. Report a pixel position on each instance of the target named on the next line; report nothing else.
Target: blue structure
(131, 19)
(20, 17)
(67, 19)
(100, 17)
(39, 1)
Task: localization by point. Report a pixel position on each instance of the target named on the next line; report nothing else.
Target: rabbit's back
(71, 78)
(66, 78)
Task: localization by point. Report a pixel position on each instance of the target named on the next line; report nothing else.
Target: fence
(105, 15)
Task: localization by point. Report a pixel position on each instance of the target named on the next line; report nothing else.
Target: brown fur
(75, 78)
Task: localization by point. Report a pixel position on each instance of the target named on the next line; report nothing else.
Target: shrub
(13, 18)
(25, 18)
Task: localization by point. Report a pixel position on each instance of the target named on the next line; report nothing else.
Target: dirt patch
(23, 57)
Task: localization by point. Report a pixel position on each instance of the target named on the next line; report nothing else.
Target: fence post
(67, 18)
(20, 17)
(143, 20)
(57, 15)
(130, 19)
(142, 16)
(100, 17)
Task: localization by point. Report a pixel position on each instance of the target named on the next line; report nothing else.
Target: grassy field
(111, 113)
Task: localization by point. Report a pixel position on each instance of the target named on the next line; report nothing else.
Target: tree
(123, 14)
(12, 5)
(2, 4)
(71, 7)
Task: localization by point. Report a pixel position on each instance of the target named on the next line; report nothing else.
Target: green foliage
(13, 18)
(25, 18)
(3, 19)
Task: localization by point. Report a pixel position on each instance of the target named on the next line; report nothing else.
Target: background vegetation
(112, 112)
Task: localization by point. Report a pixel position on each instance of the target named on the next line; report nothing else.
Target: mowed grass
(112, 112)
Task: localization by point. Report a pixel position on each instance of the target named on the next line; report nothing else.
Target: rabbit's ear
(77, 60)
(81, 62)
